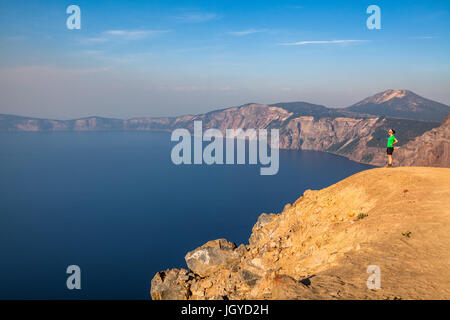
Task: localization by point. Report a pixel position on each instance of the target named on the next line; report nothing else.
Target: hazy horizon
(181, 114)
(157, 59)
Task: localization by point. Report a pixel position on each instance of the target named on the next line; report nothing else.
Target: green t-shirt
(390, 141)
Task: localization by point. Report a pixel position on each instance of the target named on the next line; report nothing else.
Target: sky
(166, 58)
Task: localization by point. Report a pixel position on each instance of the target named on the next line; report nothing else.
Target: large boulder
(212, 256)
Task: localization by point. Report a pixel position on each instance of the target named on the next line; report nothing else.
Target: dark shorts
(389, 150)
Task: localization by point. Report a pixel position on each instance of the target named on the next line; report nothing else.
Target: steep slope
(401, 104)
(299, 109)
(320, 247)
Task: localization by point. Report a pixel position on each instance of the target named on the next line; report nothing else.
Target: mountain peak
(386, 96)
(401, 104)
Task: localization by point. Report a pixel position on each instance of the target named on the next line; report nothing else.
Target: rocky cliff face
(344, 136)
(359, 137)
(320, 247)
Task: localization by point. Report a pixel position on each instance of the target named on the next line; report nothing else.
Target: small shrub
(361, 216)
(407, 234)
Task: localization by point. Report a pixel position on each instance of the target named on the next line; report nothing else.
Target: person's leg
(390, 159)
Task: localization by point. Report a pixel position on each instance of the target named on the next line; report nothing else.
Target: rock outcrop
(212, 256)
(321, 246)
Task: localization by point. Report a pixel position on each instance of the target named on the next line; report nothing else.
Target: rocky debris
(258, 232)
(249, 277)
(212, 256)
(317, 248)
(170, 285)
(263, 219)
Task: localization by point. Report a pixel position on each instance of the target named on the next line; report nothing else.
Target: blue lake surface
(114, 204)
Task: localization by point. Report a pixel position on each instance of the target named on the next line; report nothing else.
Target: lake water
(115, 205)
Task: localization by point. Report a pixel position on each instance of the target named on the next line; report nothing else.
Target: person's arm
(395, 141)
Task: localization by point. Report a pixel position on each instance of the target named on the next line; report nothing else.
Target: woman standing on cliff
(390, 146)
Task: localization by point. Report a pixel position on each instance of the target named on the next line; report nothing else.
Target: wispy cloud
(135, 34)
(197, 17)
(246, 32)
(111, 35)
(114, 59)
(304, 43)
(424, 37)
